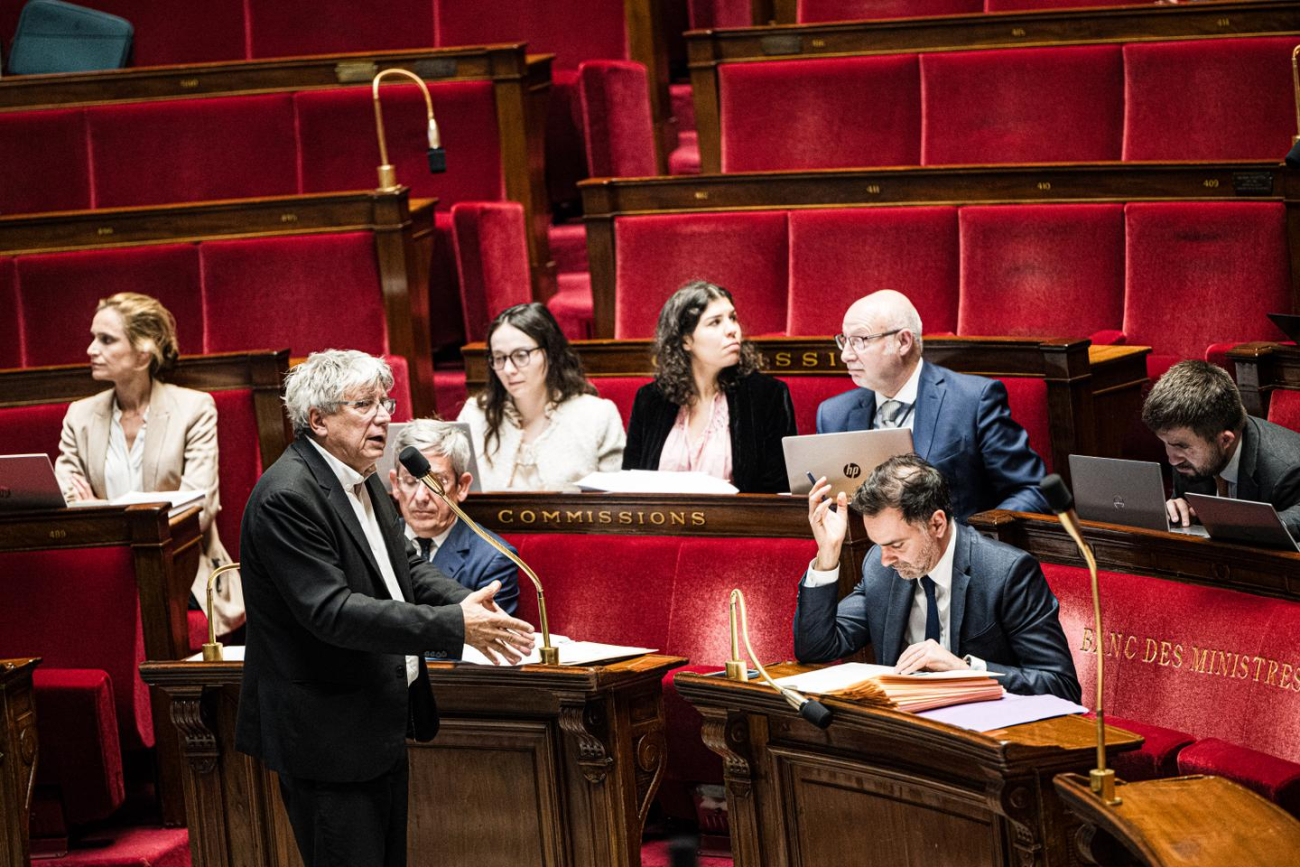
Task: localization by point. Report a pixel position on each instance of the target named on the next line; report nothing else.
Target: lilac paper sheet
(1010, 710)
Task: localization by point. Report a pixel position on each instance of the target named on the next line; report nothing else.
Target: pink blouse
(710, 454)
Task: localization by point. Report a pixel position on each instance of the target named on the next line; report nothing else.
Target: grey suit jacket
(1268, 472)
(1001, 611)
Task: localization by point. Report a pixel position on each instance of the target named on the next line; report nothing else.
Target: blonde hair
(149, 326)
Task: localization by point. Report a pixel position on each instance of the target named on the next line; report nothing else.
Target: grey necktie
(891, 413)
(427, 549)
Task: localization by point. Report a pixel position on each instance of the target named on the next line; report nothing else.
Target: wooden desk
(891, 788)
(18, 752)
(1181, 822)
(1262, 368)
(532, 766)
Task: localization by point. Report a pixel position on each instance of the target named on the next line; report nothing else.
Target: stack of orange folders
(910, 693)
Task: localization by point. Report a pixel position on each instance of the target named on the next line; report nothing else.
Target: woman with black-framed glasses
(538, 424)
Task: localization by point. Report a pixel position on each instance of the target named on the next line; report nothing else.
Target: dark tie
(427, 549)
(1221, 486)
(891, 413)
(931, 610)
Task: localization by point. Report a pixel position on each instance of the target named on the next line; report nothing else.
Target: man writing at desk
(934, 595)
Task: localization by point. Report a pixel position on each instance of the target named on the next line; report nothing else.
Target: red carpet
(129, 847)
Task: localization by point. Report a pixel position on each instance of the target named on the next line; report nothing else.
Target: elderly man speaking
(340, 609)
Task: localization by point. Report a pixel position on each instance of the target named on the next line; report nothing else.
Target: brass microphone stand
(387, 172)
(212, 649)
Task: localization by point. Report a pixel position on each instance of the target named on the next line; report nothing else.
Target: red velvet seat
(1277, 780)
(240, 459)
(1208, 99)
(838, 255)
(622, 390)
(11, 347)
(1041, 270)
(745, 252)
(1028, 105)
(32, 430)
(811, 11)
(1284, 408)
(617, 126)
(213, 30)
(807, 393)
(1027, 400)
(44, 162)
(1016, 5)
(492, 261)
(287, 28)
(851, 111)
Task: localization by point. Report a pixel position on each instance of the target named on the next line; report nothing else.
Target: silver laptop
(1242, 521)
(1116, 491)
(28, 482)
(389, 460)
(845, 459)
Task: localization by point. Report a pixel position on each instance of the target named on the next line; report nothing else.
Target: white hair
(439, 437)
(324, 380)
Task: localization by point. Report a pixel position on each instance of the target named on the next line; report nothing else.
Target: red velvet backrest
(192, 33)
(1014, 5)
(1284, 408)
(491, 260)
(1208, 661)
(1022, 105)
(44, 164)
(239, 460)
(838, 255)
(704, 14)
(1027, 400)
(1041, 270)
(1209, 99)
(59, 292)
(803, 114)
(308, 292)
(32, 430)
(401, 390)
(572, 30)
(191, 150)
(287, 28)
(743, 252)
(615, 589)
(808, 392)
(80, 609)
(812, 11)
(1202, 273)
(622, 391)
(617, 128)
(338, 149)
(11, 345)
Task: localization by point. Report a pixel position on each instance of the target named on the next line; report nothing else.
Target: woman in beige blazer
(144, 434)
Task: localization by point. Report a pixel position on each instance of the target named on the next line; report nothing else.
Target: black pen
(834, 507)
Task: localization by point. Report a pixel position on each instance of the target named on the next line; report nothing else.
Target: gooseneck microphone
(1060, 501)
(418, 466)
(810, 709)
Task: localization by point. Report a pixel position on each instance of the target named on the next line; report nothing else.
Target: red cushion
(808, 392)
(852, 111)
(1158, 755)
(1041, 270)
(685, 158)
(1274, 778)
(101, 580)
(1027, 400)
(572, 304)
(568, 242)
(1194, 256)
(197, 625)
(32, 430)
(335, 157)
(449, 391)
(744, 252)
(617, 127)
(491, 260)
(572, 30)
(11, 346)
(683, 102)
(622, 390)
(190, 150)
(401, 390)
(44, 161)
(1211, 662)
(838, 255)
(1209, 99)
(213, 30)
(1022, 105)
(80, 749)
(1284, 408)
(810, 11)
(286, 28)
(240, 460)
(73, 284)
(1014, 5)
(316, 277)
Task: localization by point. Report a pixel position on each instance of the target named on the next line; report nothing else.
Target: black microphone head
(1056, 493)
(1293, 156)
(816, 713)
(416, 464)
(437, 161)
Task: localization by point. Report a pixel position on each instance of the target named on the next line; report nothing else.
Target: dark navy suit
(963, 426)
(1001, 611)
(476, 564)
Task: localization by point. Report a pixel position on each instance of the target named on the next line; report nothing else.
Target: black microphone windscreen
(816, 713)
(416, 464)
(682, 850)
(1056, 493)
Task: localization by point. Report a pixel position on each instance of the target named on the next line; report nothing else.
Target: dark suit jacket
(761, 414)
(324, 693)
(475, 564)
(963, 426)
(1268, 472)
(1001, 611)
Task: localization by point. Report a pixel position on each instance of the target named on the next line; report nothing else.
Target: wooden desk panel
(18, 754)
(1263, 368)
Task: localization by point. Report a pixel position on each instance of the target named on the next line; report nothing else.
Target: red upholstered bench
(1209, 676)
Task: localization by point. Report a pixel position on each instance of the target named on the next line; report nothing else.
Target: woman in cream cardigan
(144, 434)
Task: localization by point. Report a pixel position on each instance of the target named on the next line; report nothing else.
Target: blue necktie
(426, 549)
(931, 610)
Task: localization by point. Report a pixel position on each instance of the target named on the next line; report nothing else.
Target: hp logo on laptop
(1118, 503)
(852, 471)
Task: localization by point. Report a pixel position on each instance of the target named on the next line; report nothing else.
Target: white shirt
(438, 540)
(906, 396)
(1232, 470)
(123, 467)
(365, 512)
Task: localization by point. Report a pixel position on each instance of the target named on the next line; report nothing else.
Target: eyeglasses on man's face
(520, 358)
(368, 406)
(858, 342)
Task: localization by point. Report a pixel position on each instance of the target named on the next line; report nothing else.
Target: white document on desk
(1010, 710)
(571, 652)
(655, 482)
(847, 674)
(178, 500)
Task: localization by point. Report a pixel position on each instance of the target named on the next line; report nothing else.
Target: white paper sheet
(846, 674)
(654, 482)
(1010, 710)
(179, 500)
(571, 652)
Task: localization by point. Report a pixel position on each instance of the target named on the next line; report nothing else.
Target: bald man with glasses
(961, 424)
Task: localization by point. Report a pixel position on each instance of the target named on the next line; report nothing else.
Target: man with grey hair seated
(340, 610)
(443, 539)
